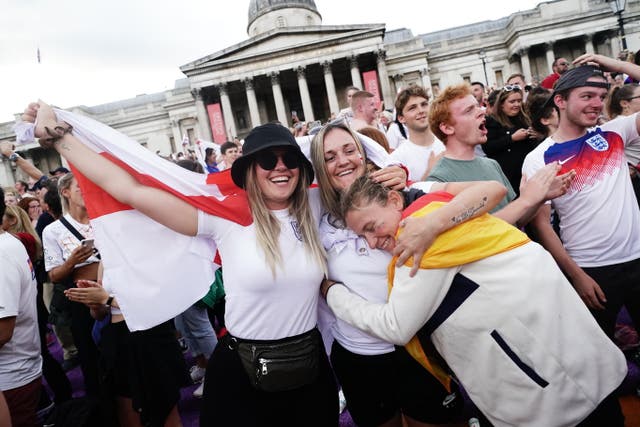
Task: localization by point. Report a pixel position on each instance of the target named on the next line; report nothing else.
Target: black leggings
(51, 369)
(81, 327)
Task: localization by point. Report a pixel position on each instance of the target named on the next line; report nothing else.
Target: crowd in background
(136, 376)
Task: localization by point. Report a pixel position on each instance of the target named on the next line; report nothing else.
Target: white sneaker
(197, 393)
(197, 373)
(343, 401)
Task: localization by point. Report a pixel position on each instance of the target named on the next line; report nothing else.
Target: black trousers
(621, 286)
(51, 369)
(81, 327)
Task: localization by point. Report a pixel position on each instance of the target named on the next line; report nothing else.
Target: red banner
(217, 123)
(371, 84)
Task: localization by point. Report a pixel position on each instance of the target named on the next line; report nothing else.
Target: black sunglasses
(268, 159)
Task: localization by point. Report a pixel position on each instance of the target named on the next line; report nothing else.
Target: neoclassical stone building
(291, 62)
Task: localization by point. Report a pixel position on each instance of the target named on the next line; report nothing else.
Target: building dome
(265, 15)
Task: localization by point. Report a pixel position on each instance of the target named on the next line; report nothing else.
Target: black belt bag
(280, 365)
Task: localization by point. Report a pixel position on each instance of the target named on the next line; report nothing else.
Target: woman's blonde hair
(268, 227)
(23, 225)
(329, 195)
(64, 183)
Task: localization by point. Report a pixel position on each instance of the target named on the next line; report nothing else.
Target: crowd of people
(478, 241)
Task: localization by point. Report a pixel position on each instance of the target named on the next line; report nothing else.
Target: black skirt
(146, 366)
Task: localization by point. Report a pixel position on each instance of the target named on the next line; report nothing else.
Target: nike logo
(562, 162)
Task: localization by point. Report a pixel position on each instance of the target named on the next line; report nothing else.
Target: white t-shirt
(20, 360)
(58, 242)
(394, 137)
(416, 157)
(599, 216)
(258, 305)
(364, 271)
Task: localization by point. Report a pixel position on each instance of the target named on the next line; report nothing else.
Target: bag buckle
(232, 343)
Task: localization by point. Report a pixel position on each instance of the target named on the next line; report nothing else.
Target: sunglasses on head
(509, 88)
(268, 159)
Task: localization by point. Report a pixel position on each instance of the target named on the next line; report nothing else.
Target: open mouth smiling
(280, 179)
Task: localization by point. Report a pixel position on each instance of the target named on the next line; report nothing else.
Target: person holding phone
(68, 260)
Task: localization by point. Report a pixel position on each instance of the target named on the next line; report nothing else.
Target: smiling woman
(537, 350)
(509, 137)
(383, 385)
(272, 269)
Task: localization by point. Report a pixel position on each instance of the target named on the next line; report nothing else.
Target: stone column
(227, 113)
(615, 45)
(588, 43)
(307, 108)
(387, 96)
(426, 80)
(514, 65)
(6, 173)
(203, 118)
(281, 112)
(355, 72)
(398, 81)
(525, 65)
(550, 56)
(253, 103)
(177, 135)
(334, 107)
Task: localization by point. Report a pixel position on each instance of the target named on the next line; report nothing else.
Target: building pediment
(284, 42)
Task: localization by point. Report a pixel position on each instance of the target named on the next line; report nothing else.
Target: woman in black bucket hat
(271, 369)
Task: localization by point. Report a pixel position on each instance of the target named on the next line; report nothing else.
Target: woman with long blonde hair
(16, 220)
(272, 270)
(382, 385)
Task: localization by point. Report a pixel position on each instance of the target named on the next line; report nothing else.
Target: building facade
(291, 64)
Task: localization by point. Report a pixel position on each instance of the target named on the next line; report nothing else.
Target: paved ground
(189, 407)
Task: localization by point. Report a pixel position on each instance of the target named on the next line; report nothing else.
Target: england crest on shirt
(598, 143)
(296, 229)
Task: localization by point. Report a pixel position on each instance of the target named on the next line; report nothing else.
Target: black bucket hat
(262, 137)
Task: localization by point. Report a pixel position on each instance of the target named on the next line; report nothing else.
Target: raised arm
(609, 64)
(6, 148)
(159, 205)
(544, 185)
(471, 200)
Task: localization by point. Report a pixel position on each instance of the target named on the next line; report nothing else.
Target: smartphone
(87, 243)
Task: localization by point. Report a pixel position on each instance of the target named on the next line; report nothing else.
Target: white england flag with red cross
(154, 272)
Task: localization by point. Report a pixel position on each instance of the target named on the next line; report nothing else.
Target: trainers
(197, 373)
(342, 400)
(198, 392)
(69, 364)
(183, 345)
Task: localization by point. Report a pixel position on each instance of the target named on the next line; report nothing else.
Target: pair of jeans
(196, 329)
